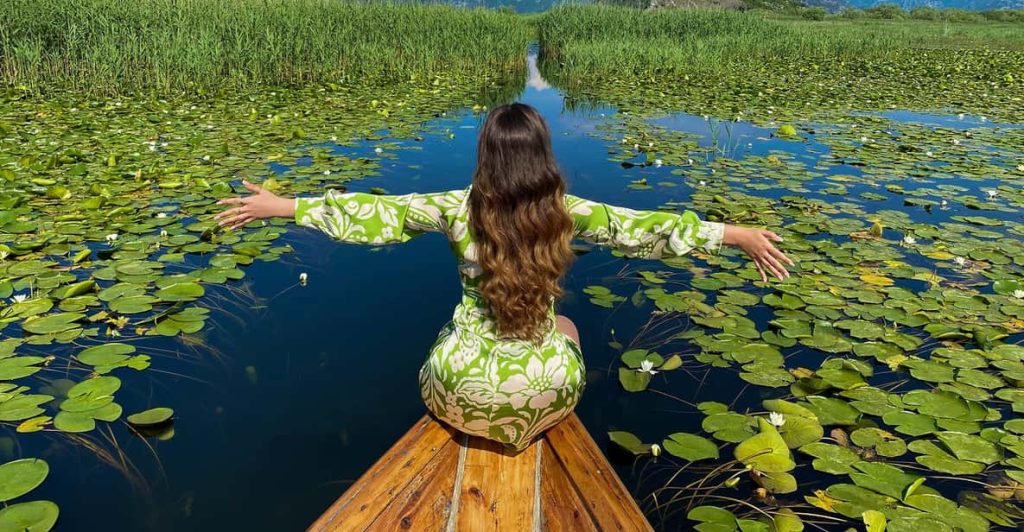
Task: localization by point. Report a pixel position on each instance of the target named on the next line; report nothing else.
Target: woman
(506, 367)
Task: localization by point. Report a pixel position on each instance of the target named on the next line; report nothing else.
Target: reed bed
(617, 40)
(121, 45)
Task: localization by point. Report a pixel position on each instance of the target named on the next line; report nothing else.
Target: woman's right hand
(758, 244)
(261, 204)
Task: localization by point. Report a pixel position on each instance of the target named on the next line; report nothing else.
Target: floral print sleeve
(643, 234)
(362, 218)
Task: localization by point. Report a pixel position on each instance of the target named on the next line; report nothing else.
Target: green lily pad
(33, 516)
(690, 447)
(766, 451)
(21, 476)
(53, 323)
(153, 416)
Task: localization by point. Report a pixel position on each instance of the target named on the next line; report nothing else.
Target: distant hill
(974, 5)
(831, 5)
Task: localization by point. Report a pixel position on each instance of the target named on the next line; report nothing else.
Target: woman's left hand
(758, 244)
(262, 204)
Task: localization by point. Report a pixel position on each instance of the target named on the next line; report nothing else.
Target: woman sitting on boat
(507, 367)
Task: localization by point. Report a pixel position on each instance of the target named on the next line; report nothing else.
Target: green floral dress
(506, 390)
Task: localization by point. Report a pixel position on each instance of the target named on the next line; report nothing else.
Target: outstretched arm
(262, 204)
(658, 234)
(354, 217)
(758, 244)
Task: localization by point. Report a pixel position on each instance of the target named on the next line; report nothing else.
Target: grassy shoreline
(733, 64)
(115, 46)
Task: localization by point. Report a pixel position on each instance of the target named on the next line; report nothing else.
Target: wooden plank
(562, 510)
(602, 492)
(516, 492)
(365, 499)
(481, 475)
(424, 504)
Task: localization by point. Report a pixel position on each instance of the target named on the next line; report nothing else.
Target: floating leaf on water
(713, 519)
(690, 447)
(53, 323)
(33, 516)
(21, 476)
(629, 442)
(153, 416)
(766, 451)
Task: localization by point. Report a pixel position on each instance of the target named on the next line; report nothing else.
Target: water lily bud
(655, 450)
(302, 278)
(731, 482)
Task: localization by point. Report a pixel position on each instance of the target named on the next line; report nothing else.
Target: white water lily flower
(19, 298)
(303, 277)
(928, 153)
(960, 261)
(378, 150)
(327, 172)
(1020, 167)
(703, 183)
(657, 162)
(1019, 294)
(163, 233)
(776, 419)
(334, 138)
(982, 118)
(956, 142)
(689, 162)
(161, 215)
(636, 146)
(647, 367)
(943, 203)
(960, 116)
(863, 139)
(112, 237)
(993, 193)
(650, 144)
(909, 240)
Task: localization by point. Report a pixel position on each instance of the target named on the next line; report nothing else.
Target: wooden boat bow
(436, 479)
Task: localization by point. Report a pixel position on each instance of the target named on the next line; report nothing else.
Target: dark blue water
(296, 390)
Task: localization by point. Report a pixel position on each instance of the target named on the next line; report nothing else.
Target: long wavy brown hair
(519, 221)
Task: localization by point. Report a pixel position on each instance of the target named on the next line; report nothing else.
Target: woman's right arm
(354, 217)
(660, 234)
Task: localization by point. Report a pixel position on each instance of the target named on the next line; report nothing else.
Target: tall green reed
(119, 45)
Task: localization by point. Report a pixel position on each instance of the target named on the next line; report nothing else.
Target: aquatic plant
(737, 65)
(114, 46)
